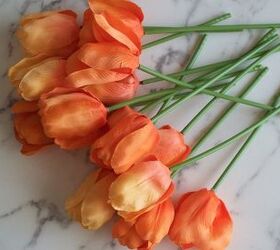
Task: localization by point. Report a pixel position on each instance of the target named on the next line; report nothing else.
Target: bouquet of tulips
(77, 87)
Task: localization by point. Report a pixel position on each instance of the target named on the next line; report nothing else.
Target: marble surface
(33, 189)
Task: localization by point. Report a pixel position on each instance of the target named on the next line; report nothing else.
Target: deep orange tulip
(171, 148)
(148, 229)
(73, 117)
(141, 188)
(33, 76)
(201, 220)
(52, 33)
(112, 20)
(115, 92)
(131, 139)
(88, 205)
(28, 129)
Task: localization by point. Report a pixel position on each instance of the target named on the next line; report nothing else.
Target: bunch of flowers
(67, 80)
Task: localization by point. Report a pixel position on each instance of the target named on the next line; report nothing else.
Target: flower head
(201, 220)
(131, 139)
(28, 128)
(34, 76)
(89, 204)
(73, 117)
(148, 229)
(52, 33)
(119, 21)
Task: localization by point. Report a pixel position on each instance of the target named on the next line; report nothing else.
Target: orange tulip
(33, 76)
(51, 33)
(171, 148)
(148, 230)
(73, 117)
(88, 205)
(28, 129)
(201, 220)
(139, 189)
(100, 63)
(112, 20)
(131, 139)
(115, 92)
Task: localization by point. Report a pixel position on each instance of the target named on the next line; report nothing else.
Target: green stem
(176, 35)
(235, 159)
(149, 30)
(209, 92)
(207, 107)
(220, 146)
(189, 64)
(228, 111)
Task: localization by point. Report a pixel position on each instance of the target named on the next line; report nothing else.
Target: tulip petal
(108, 56)
(171, 148)
(89, 76)
(134, 147)
(116, 116)
(42, 78)
(95, 209)
(140, 187)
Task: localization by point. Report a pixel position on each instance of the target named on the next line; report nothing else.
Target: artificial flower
(100, 63)
(171, 148)
(112, 20)
(28, 128)
(115, 92)
(52, 33)
(139, 189)
(148, 229)
(73, 117)
(201, 220)
(33, 76)
(88, 205)
(131, 139)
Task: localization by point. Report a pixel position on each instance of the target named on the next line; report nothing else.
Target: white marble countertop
(33, 189)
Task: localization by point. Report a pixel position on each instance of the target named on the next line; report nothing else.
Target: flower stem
(207, 107)
(176, 35)
(239, 154)
(230, 140)
(209, 92)
(149, 30)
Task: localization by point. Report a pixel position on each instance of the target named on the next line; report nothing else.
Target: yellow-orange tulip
(28, 128)
(52, 33)
(141, 188)
(131, 139)
(73, 117)
(33, 76)
(112, 20)
(171, 148)
(201, 220)
(89, 204)
(148, 229)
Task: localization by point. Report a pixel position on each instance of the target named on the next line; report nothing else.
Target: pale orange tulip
(54, 33)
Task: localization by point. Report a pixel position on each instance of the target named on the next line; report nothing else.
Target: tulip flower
(88, 205)
(100, 63)
(171, 148)
(131, 139)
(54, 33)
(33, 76)
(139, 189)
(115, 92)
(28, 129)
(149, 228)
(111, 20)
(201, 220)
(73, 117)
